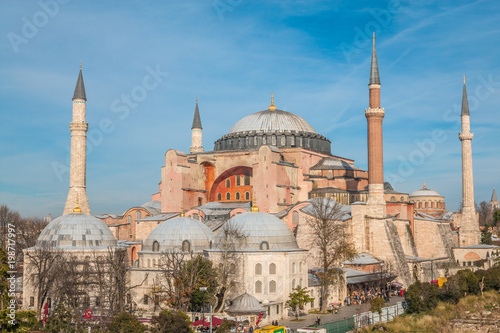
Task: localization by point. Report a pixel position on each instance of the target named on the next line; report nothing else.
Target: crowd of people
(365, 294)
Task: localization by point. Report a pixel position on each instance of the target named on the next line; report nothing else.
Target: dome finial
(272, 107)
(80, 65)
(424, 185)
(77, 209)
(182, 209)
(254, 208)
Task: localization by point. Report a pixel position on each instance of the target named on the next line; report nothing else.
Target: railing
(388, 314)
(339, 326)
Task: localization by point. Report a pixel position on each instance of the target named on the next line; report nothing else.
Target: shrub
(421, 297)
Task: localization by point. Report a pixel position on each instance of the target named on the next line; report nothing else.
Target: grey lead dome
(76, 230)
(271, 121)
(263, 232)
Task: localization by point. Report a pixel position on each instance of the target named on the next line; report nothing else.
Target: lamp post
(381, 273)
(204, 290)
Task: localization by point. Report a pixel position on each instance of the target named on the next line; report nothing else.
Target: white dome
(76, 230)
(171, 234)
(425, 192)
(263, 232)
(272, 121)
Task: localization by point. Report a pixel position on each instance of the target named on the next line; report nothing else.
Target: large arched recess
(219, 185)
(209, 174)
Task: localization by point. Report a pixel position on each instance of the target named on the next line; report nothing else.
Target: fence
(388, 314)
(340, 326)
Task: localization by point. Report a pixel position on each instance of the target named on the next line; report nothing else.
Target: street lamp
(204, 290)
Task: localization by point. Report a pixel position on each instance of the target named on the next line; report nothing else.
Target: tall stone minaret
(196, 132)
(376, 206)
(77, 179)
(494, 200)
(469, 225)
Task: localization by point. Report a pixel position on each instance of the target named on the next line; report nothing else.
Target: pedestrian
(319, 321)
(250, 329)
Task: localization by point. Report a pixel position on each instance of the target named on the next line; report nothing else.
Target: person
(250, 329)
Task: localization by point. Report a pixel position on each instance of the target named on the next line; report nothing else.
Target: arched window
(146, 300)
(393, 199)
(272, 269)
(232, 268)
(258, 287)
(330, 174)
(426, 204)
(237, 196)
(300, 267)
(247, 195)
(228, 196)
(247, 177)
(149, 263)
(156, 246)
(273, 140)
(300, 282)
(272, 286)
(129, 219)
(402, 199)
(138, 215)
(264, 245)
(283, 140)
(238, 180)
(219, 196)
(293, 283)
(258, 269)
(228, 183)
(186, 246)
(154, 263)
(293, 268)
(295, 217)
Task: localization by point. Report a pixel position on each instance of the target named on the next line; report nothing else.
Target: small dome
(245, 304)
(172, 234)
(272, 121)
(263, 232)
(425, 192)
(76, 230)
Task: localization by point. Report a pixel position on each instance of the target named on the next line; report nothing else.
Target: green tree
(421, 297)
(376, 305)
(207, 277)
(486, 235)
(171, 322)
(496, 217)
(63, 320)
(299, 298)
(226, 326)
(470, 281)
(125, 322)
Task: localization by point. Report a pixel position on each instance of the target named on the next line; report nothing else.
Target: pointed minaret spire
(196, 132)
(78, 163)
(374, 77)
(494, 196)
(80, 87)
(272, 107)
(465, 103)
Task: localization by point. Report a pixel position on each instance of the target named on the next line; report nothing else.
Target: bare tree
(232, 238)
(485, 213)
(330, 241)
(27, 232)
(7, 217)
(43, 263)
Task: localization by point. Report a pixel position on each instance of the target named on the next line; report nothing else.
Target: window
(272, 269)
(330, 175)
(154, 263)
(238, 180)
(186, 246)
(293, 268)
(146, 300)
(138, 215)
(247, 195)
(232, 269)
(49, 302)
(129, 219)
(272, 286)
(258, 269)
(293, 283)
(237, 196)
(149, 263)
(258, 287)
(264, 245)
(295, 217)
(247, 177)
(402, 199)
(278, 309)
(228, 196)
(200, 201)
(228, 183)
(393, 199)
(156, 246)
(219, 196)
(300, 267)
(97, 301)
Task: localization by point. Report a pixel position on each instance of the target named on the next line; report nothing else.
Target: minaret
(376, 206)
(469, 225)
(494, 201)
(77, 189)
(196, 129)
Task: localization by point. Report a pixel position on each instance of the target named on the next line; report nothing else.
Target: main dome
(271, 121)
(273, 127)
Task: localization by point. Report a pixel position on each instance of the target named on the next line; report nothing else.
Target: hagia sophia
(261, 177)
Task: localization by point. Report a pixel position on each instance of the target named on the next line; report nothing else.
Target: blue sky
(314, 55)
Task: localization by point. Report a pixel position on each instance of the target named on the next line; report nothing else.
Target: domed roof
(245, 304)
(76, 230)
(172, 233)
(262, 232)
(425, 192)
(272, 121)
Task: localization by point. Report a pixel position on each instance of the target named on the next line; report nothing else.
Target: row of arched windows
(237, 196)
(186, 246)
(432, 204)
(246, 179)
(272, 269)
(258, 287)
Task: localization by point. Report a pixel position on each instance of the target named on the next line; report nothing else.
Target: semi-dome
(262, 231)
(76, 230)
(425, 192)
(273, 127)
(179, 234)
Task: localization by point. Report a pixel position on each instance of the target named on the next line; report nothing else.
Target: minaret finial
(424, 185)
(374, 38)
(182, 209)
(80, 65)
(464, 79)
(272, 107)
